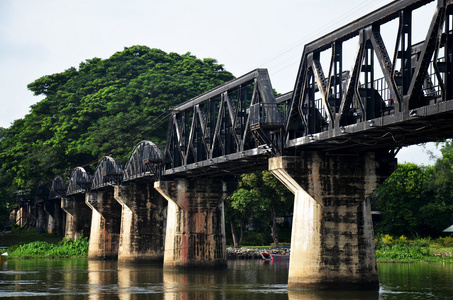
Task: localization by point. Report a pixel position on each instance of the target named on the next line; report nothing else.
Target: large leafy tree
(104, 107)
(437, 212)
(418, 200)
(262, 197)
(400, 199)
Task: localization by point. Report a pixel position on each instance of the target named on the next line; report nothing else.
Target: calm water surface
(244, 279)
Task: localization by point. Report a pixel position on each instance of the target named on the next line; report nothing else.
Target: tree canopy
(418, 200)
(105, 107)
(262, 197)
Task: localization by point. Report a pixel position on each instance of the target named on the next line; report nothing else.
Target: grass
(65, 248)
(26, 236)
(390, 249)
(30, 243)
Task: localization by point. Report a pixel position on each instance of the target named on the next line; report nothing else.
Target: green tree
(400, 198)
(103, 107)
(437, 213)
(262, 197)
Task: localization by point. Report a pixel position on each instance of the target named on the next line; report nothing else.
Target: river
(244, 279)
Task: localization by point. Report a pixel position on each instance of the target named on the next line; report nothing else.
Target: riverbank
(253, 253)
(25, 236)
(32, 244)
(396, 254)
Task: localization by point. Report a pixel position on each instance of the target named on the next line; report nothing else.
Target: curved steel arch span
(145, 161)
(108, 173)
(80, 182)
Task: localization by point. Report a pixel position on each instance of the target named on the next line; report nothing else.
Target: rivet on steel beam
(413, 113)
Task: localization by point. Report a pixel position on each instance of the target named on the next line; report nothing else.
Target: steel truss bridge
(382, 103)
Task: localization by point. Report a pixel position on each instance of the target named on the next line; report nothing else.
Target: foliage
(260, 197)
(253, 238)
(446, 241)
(404, 250)
(26, 235)
(400, 199)
(418, 200)
(66, 248)
(105, 107)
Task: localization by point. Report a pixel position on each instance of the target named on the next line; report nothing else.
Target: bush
(253, 238)
(446, 241)
(65, 248)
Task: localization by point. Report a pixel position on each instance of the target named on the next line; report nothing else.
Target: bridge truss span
(145, 161)
(232, 123)
(107, 174)
(396, 93)
(80, 182)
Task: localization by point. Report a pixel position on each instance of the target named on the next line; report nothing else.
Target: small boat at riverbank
(4, 256)
(274, 257)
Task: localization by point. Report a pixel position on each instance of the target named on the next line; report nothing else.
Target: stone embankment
(255, 253)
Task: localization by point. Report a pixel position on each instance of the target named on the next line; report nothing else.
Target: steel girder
(233, 121)
(80, 182)
(107, 173)
(58, 188)
(344, 108)
(145, 161)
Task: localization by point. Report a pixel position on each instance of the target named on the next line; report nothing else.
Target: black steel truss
(58, 188)
(107, 173)
(145, 161)
(233, 121)
(80, 182)
(347, 108)
(383, 102)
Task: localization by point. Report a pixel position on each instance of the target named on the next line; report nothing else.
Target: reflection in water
(101, 275)
(416, 281)
(244, 279)
(184, 284)
(139, 280)
(330, 295)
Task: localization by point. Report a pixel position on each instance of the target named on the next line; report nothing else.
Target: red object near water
(274, 257)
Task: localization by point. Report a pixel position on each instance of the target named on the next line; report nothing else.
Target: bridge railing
(266, 115)
(345, 101)
(108, 173)
(232, 121)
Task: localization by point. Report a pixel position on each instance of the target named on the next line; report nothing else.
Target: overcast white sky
(43, 37)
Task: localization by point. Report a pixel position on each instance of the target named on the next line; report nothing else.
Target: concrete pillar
(56, 216)
(195, 222)
(144, 213)
(40, 214)
(78, 216)
(332, 242)
(105, 224)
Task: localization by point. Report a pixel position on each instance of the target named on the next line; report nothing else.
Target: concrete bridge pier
(105, 224)
(195, 222)
(56, 216)
(332, 242)
(144, 213)
(78, 216)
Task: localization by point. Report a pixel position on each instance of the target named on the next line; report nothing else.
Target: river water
(244, 279)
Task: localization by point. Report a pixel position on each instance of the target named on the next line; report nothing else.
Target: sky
(44, 37)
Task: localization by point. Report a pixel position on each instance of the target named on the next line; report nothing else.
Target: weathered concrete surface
(78, 216)
(332, 242)
(105, 224)
(195, 222)
(56, 217)
(144, 213)
(40, 214)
